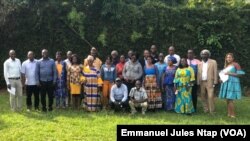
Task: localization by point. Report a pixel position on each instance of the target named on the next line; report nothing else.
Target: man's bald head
(30, 55)
(12, 54)
(171, 50)
(45, 53)
(69, 55)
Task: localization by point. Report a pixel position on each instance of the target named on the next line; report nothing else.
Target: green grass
(80, 125)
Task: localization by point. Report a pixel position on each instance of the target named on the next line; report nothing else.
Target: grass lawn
(80, 125)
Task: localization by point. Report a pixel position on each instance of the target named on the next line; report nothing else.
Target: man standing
(143, 61)
(171, 51)
(153, 52)
(97, 62)
(12, 75)
(207, 78)
(192, 62)
(138, 98)
(46, 75)
(115, 57)
(119, 95)
(29, 79)
(68, 64)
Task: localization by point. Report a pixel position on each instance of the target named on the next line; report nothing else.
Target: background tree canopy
(221, 26)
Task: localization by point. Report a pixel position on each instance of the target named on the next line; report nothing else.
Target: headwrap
(172, 59)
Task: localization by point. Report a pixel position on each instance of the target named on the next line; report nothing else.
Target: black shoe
(50, 109)
(44, 110)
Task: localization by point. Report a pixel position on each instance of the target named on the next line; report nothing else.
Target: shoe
(133, 112)
(28, 110)
(232, 116)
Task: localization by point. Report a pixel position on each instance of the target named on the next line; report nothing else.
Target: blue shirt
(46, 70)
(108, 74)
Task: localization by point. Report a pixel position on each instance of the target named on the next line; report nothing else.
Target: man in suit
(207, 78)
(143, 61)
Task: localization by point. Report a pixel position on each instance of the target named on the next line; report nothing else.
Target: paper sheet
(223, 77)
(12, 91)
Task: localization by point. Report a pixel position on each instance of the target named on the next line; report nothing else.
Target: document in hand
(12, 90)
(222, 75)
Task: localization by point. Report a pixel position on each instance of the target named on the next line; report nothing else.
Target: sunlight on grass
(81, 125)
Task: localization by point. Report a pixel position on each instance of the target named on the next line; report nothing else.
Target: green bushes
(129, 24)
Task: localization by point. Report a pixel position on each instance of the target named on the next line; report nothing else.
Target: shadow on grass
(2, 125)
(51, 116)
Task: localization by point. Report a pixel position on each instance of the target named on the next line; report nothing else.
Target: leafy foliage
(219, 25)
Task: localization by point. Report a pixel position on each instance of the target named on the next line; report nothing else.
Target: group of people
(150, 83)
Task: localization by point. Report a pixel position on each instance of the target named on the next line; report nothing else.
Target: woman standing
(108, 74)
(151, 86)
(60, 91)
(161, 67)
(75, 80)
(92, 86)
(184, 78)
(120, 66)
(168, 84)
(230, 89)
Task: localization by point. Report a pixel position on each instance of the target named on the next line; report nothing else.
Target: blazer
(212, 73)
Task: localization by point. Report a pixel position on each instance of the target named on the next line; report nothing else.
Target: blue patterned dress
(60, 90)
(183, 103)
(231, 89)
(168, 83)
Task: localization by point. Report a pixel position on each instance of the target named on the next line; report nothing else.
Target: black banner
(203, 132)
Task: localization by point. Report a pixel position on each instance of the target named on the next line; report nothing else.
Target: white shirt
(29, 70)
(119, 93)
(178, 59)
(11, 69)
(68, 63)
(204, 70)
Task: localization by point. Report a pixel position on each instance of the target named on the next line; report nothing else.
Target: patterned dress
(150, 84)
(92, 100)
(183, 103)
(231, 89)
(168, 83)
(60, 91)
(75, 78)
(161, 68)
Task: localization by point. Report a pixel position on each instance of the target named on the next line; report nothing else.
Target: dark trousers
(119, 106)
(47, 88)
(76, 101)
(194, 96)
(32, 89)
(129, 85)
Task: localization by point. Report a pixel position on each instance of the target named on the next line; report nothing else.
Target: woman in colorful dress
(168, 84)
(161, 67)
(60, 90)
(231, 89)
(75, 80)
(92, 87)
(151, 86)
(184, 79)
(108, 74)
